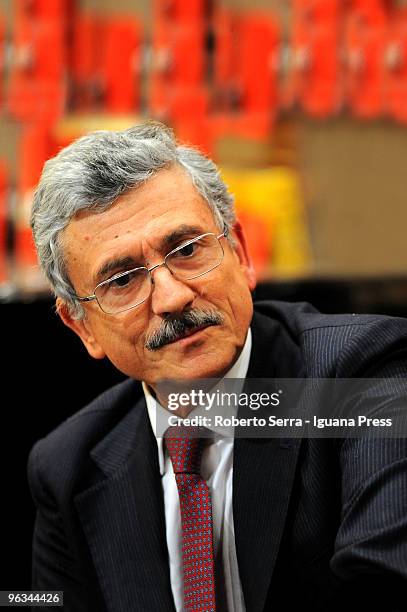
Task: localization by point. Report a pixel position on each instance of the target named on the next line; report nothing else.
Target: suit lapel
(263, 471)
(123, 518)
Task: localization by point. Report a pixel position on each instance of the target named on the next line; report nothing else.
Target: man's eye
(121, 281)
(187, 250)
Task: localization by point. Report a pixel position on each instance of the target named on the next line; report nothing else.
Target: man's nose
(169, 294)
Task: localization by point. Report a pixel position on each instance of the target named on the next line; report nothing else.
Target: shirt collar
(238, 371)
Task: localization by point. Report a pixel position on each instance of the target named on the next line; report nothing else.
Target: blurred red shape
(365, 48)
(314, 81)
(395, 80)
(258, 62)
(122, 64)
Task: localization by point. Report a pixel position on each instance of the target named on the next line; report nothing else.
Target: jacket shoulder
(358, 342)
(301, 317)
(65, 450)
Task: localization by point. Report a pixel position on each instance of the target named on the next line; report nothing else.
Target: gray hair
(93, 171)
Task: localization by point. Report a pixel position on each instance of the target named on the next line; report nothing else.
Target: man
(139, 240)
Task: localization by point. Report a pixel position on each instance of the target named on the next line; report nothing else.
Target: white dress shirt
(217, 471)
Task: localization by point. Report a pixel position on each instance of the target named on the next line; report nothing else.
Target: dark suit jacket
(319, 524)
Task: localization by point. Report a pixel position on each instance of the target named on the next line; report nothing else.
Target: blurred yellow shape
(271, 200)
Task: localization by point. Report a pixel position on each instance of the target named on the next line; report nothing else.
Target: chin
(211, 370)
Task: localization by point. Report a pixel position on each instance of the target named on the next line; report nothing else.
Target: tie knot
(185, 449)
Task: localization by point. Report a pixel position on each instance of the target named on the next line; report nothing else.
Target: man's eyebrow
(109, 268)
(183, 231)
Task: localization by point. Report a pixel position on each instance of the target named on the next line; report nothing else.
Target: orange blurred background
(302, 103)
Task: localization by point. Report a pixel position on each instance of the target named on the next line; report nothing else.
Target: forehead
(147, 213)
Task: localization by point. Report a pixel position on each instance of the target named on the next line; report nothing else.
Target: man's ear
(243, 254)
(82, 328)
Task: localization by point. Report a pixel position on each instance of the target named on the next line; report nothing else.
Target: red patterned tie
(196, 520)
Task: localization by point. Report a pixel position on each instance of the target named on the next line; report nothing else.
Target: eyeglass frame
(93, 296)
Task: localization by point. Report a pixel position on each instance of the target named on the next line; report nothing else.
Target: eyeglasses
(131, 288)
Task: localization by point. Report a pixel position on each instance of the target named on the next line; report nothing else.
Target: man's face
(137, 227)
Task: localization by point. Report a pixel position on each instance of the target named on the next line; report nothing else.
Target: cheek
(123, 335)
(242, 305)
(230, 287)
(126, 353)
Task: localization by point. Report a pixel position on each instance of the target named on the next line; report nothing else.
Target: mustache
(174, 328)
